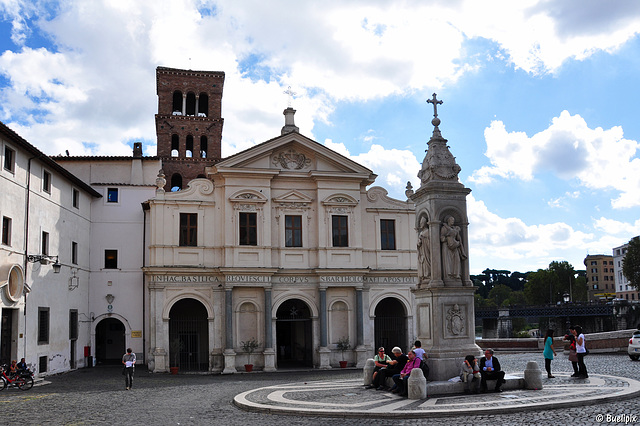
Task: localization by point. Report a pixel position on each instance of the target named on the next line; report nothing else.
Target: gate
(188, 334)
(390, 325)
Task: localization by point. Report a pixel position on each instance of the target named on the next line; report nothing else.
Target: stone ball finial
(436, 122)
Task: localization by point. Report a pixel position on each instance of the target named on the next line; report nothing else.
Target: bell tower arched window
(175, 145)
(191, 103)
(177, 103)
(176, 182)
(203, 146)
(203, 105)
(189, 152)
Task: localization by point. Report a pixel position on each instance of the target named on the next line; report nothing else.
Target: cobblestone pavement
(97, 397)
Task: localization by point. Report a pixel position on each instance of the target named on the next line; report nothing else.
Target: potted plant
(175, 346)
(343, 345)
(249, 346)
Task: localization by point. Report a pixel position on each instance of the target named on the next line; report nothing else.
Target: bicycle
(23, 380)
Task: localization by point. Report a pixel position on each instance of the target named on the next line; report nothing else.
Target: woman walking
(548, 352)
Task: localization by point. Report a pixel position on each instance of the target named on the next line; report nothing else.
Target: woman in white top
(581, 351)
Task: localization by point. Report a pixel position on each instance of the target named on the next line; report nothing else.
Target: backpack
(425, 368)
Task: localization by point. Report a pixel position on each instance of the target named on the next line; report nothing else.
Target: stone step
(452, 388)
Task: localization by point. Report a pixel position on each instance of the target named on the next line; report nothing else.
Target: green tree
(541, 287)
(516, 298)
(499, 294)
(631, 263)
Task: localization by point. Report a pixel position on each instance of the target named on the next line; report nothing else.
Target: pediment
(378, 197)
(293, 196)
(196, 188)
(248, 196)
(293, 153)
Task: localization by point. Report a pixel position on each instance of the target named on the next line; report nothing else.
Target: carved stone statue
(424, 251)
(452, 249)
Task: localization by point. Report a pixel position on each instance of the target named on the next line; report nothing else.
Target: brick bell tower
(188, 123)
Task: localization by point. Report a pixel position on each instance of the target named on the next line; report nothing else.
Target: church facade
(187, 257)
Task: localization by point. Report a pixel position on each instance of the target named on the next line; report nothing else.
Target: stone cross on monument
(444, 294)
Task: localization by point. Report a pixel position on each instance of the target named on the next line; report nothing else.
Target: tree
(631, 263)
(499, 294)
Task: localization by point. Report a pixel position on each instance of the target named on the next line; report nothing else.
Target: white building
(623, 289)
(45, 214)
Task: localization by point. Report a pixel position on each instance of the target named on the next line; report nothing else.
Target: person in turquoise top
(548, 352)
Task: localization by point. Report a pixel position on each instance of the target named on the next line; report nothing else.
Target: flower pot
(248, 368)
(343, 364)
(174, 370)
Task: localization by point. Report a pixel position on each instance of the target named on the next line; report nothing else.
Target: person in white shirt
(129, 362)
(581, 351)
(417, 348)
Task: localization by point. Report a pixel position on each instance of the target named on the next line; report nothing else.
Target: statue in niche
(424, 251)
(452, 249)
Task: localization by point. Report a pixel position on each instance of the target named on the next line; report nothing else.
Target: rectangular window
(189, 229)
(42, 364)
(248, 229)
(73, 324)
(6, 231)
(111, 259)
(46, 182)
(387, 234)
(9, 159)
(75, 198)
(74, 252)
(112, 195)
(43, 325)
(45, 243)
(339, 231)
(293, 231)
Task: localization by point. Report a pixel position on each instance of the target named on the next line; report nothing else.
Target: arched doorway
(188, 333)
(293, 334)
(110, 341)
(390, 324)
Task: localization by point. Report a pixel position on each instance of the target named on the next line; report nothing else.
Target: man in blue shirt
(490, 370)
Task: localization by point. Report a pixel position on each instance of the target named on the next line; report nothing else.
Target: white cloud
(394, 167)
(597, 158)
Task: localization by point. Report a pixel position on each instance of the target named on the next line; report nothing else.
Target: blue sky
(540, 97)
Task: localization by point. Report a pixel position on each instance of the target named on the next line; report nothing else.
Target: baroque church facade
(191, 255)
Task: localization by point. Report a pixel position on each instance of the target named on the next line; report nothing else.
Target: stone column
(361, 351)
(324, 353)
(184, 104)
(229, 353)
(197, 102)
(269, 353)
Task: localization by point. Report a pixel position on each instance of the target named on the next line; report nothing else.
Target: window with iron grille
(387, 234)
(189, 229)
(43, 325)
(293, 231)
(42, 364)
(73, 324)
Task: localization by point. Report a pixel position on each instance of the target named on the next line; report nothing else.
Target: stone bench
(417, 385)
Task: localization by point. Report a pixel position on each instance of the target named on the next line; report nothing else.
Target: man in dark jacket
(490, 370)
(395, 366)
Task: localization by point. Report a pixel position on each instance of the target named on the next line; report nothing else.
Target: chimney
(137, 150)
(289, 125)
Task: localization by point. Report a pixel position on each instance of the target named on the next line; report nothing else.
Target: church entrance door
(390, 325)
(110, 341)
(293, 335)
(188, 329)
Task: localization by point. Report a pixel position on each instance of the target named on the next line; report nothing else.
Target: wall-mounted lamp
(45, 260)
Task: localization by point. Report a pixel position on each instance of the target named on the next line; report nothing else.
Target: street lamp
(45, 259)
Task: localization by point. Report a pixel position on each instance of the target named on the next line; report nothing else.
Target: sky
(540, 97)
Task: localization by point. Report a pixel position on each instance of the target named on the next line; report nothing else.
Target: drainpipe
(26, 251)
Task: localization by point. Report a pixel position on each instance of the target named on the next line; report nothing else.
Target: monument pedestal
(446, 327)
